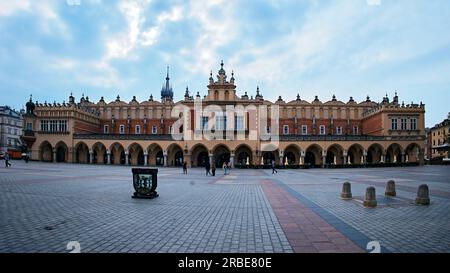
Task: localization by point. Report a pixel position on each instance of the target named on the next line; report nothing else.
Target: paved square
(43, 206)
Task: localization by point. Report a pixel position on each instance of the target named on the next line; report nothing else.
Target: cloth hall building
(153, 132)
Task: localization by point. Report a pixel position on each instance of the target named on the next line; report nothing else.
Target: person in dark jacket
(274, 167)
(185, 168)
(208, 168)
(7, 164)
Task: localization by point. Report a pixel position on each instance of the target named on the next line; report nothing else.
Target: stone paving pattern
(43, 206)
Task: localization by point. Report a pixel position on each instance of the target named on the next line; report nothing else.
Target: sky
(311, 47)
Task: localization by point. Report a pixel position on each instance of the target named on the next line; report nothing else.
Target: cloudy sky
(312, 47)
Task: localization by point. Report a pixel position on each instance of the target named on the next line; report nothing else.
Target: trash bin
(145, 181)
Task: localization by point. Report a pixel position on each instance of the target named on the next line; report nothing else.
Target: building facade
(11, 129)
(439, 144)
(222, 126)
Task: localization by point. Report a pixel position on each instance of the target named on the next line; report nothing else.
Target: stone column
(232, 160)
(420, 156)
(187, 158)
(165, 159)
(403, 157)
(145, 158)
(54, 155)
(108, 157)
(383, 158)
(324, 158)
(211, 158)
(127, 158)
(91, 157)
(345, 157)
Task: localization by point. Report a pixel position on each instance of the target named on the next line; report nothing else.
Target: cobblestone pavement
(43, 206)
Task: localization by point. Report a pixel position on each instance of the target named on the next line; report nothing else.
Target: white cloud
(8, 8)
(373, 2)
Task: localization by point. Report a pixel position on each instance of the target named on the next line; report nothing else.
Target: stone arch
(243, 155)
(412, 153)
(81, 152)
(374, 153)
(46, 151)
(117, 153)
(221, 154)
(292, 153)
(135, 154)
(355, 154)
(62, 152)
(335, 155)
(155, 155)
(175, 155)
(394, 153)
(313, 155)
(99, 153)
(199, 155)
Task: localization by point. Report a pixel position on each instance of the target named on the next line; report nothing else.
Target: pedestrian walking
(208, 168)
(185, 168)
(274, 167)
(7, 164)
(213, 169)
(224, 167)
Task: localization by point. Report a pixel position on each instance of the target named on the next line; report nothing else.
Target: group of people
(211, 170)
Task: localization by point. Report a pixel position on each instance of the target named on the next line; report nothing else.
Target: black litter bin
(145, 181)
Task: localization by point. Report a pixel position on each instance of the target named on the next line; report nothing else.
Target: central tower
(221, 89)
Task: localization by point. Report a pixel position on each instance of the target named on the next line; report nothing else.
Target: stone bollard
(423, 195)
(390, 188)
(346, 191)
(371, 199)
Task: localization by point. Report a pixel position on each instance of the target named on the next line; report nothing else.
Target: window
(355, 130)
(9, 142)
(339, 130)
(322, 129)
(394, 124)
(204, 123)
(154, 130)
(403, 124)
(170, 129)
(29, 126)
(239, 123)
(304, 129)
(413, 125)
(105, 129)
(122, 129)
(15, 132)
(267, 129)
(44, 125)
(221, 122)
(138, 130)
(434, 142)
(62, 125)
(9, 130)
(286, 129)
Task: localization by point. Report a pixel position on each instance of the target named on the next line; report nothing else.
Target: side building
(439, 143)
(199, 128)
(11, 129)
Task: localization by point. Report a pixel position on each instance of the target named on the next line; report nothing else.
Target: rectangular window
(394, 124)
(403, 124)
(239, 123)
(304, 130)
(355, 130)
(154, 130)
(204, 123)
(138, 130)
(170, 129)
(434, 142)
(322, 129)
(413, 125)
(221, 122)
(122, 129)
(15, 132)
(106, 129)
(339, 130)
(286, 129)
(62, 125)
(29, 126)
(9, 130)
(44, 125)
